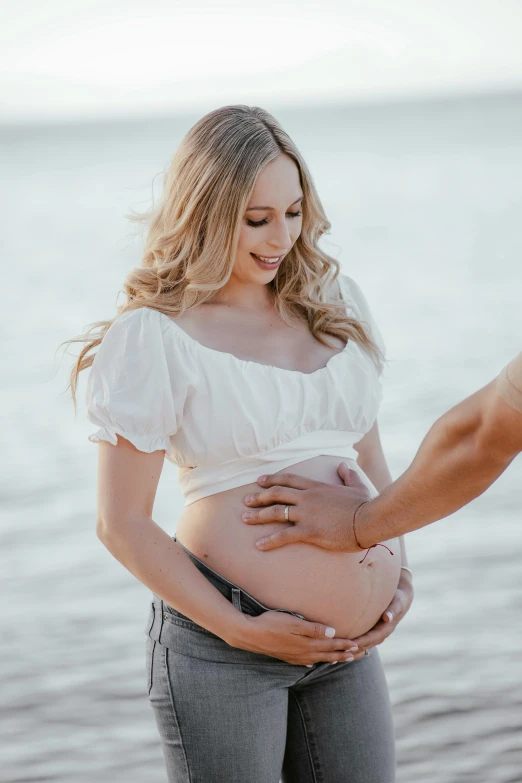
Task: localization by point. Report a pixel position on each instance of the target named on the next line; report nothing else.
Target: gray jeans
(227, 715)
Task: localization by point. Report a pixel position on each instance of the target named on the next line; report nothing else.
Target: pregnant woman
(241, 350)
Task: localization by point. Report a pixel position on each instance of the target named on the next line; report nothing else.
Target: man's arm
(371, 460)
(464, 452)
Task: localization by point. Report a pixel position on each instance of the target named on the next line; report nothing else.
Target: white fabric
(228, 418)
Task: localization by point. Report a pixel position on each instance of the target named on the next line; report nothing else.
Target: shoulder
(145, 317)
(137, 384)
(357, 303)
(143, 322)
(341, 287)
(353, 295)
(514, 371)
(141, 336)
(510, 383)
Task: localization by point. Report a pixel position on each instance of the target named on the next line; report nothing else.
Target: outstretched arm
(464, 452)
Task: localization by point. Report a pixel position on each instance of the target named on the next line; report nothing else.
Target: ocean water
(425, 201)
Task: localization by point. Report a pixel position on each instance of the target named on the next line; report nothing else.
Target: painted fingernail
(330, 632)
(247, 515)
(389, 615)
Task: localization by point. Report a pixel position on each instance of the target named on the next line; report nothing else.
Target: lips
(267, 259)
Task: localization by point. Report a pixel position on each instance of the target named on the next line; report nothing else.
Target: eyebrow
(292, 204)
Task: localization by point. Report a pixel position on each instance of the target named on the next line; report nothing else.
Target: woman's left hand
(386, 625)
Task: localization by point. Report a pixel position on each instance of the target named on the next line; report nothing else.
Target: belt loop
(236, 598)
(153, 615)
(157, 620)
(161, 619)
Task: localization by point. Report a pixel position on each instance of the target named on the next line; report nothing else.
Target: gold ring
(287, 513)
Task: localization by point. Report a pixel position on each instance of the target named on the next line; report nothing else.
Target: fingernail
(261, 543)
(247, 515)
(389, 615)
(330, 632)
(344, 464)
(334, 662)
(249, 498)
(349, 658)
(261, 478)
(309, 665)
(352, 649)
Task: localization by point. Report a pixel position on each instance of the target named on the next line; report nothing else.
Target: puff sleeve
(354, 295)
(134, 388)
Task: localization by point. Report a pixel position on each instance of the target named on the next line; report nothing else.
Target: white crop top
(229, 419)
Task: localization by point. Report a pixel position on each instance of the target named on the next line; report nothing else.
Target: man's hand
(386, 625)
(321, 513)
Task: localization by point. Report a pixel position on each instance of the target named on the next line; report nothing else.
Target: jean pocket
(169, 610)
(172, 615)
(149, 662)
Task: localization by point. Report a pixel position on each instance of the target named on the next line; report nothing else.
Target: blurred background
(410, 117)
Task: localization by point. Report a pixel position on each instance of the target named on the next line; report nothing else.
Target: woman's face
(271, 223)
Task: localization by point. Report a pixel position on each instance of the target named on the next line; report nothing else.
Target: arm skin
(372, 462)
(464, 452)
(127, 484)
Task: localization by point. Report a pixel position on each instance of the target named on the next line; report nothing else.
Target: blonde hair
(193, 233)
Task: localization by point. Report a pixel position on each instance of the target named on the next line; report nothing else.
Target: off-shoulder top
(229, 419)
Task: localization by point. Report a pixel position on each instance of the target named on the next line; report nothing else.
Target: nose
(280, 239)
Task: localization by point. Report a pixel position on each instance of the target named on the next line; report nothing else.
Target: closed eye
(256, 223)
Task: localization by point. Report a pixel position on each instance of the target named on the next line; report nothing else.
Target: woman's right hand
(293, 640)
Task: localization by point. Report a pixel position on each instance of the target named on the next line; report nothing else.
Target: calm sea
(425, 202)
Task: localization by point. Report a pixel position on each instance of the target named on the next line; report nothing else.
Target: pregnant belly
(329, 587)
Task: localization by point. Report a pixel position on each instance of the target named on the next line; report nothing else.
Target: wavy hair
(193, 233)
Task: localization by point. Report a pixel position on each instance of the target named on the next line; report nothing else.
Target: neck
(247, 296)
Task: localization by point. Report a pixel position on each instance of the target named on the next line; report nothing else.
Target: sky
(85, 59)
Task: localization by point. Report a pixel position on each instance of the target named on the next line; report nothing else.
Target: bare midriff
(324, 586)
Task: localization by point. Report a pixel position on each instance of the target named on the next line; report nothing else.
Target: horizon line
(278, 103)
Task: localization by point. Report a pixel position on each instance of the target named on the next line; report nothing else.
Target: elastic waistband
(199, 482)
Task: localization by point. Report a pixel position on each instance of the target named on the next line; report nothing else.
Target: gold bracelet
(407, 569)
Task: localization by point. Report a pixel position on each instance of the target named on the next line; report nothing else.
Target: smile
(272, 261)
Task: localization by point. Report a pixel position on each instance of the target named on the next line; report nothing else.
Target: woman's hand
(293, 640)
(390, 618)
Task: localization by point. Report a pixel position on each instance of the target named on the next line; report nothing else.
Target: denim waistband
(234, 593)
